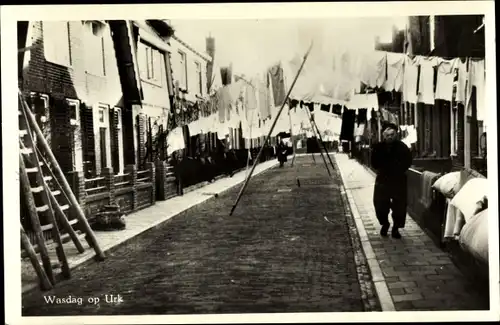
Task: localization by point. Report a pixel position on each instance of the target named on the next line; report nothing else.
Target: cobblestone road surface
(285, 249)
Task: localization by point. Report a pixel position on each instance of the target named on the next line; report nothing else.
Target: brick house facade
(71, 80)
(451, 138)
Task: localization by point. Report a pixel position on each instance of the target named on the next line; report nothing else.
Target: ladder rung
(47, 178)
(56, 193)
(37, 189)
(26, 151)
(22, 133)
(32, 170)
(47, 227)
(73, 221)
(20, 112)
(64, 207)
(42, 208)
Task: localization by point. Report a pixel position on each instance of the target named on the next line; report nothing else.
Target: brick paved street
(418, 275)
(285, 249)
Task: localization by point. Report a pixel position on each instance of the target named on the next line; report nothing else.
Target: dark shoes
(395, 233)
(385, 229)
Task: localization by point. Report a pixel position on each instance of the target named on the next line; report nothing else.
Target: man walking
(390, 159)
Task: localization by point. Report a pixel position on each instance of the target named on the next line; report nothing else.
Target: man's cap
(390, 126)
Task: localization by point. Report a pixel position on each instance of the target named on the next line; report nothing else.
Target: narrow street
(285, 249)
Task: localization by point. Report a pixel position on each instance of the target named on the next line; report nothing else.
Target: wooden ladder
(48, 197)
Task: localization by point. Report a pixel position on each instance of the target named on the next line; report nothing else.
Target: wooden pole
(271, 130)
(315, 127)
(292, 137)
(35, 221)
(26, 245)
(317, 138)
(60, 212)
(62, 179)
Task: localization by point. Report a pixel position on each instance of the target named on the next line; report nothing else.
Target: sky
(254, 45)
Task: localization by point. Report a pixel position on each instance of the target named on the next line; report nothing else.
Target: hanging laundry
(263, 100)
(225, 104)
(278, 84)
(426, 82)
(395, 62)
(359, 132)
(337, 109)
(362, 116)
(445, 76)
(410, 135)
(175, 140)
(462, 81)
(250, 100)
(348, 123)
(410, 81)
(477, 79)
(194, 127)
(375, 69)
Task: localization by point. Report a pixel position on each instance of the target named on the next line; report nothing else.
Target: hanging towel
(362, 115)
(358, 132)
(175, 140)
(477, 79)
(374, 69)
(428, 178)
(265, 107)
(225, 104)
(454, 221)
(410, 81)
(426, 82)
(445, 76)
(250, 100)
(278, 84)
(395, 63)
(462, 81)
(348, 124)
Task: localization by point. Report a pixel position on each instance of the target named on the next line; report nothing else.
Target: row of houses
(450, 140)
(451, 135)
(102, 91)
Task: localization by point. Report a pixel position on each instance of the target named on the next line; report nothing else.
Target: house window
(73, 106)
(103, 136)
(56, 42)
(150, 63)
(94, 48)
(182, 70)
(199, 81)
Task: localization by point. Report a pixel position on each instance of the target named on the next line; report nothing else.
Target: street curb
(90, 257)
(366, 279)
(377, 277)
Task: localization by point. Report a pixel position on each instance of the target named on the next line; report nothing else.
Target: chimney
(210, 49)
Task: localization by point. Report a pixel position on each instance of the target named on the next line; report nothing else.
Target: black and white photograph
(288, 162)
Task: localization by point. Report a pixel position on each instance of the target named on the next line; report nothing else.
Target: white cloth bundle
(175, 140)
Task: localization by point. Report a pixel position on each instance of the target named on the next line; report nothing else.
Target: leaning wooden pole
(62, 179)
(318, 139)
(271, 130)
(315, 127)
(26, 245)
(59, 212)
(35, 221)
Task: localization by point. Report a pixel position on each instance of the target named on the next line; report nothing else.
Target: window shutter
(115, 152)
(88, 140)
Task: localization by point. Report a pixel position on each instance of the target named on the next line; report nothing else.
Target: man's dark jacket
(391, 161)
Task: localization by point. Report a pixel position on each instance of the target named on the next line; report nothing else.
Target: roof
(192, 49)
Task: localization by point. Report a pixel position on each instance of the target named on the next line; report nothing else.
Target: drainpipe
(134, 55)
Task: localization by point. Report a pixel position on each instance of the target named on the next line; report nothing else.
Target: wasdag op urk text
(76, 300)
